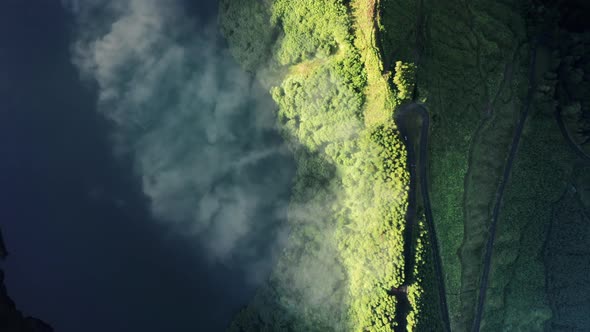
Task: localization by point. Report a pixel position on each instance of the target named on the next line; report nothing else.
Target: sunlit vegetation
(380, 99)
(422, 291)
(337, 71)
(405, 80)
(345, 248)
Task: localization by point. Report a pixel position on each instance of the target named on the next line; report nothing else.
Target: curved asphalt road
(400, 119)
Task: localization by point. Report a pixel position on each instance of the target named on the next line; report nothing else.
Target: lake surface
(86, 253)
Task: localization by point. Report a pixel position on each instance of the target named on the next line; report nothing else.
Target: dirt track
(489, 249)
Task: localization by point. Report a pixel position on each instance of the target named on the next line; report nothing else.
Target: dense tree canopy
(346, 246)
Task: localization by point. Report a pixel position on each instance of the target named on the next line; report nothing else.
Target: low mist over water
(145, 186)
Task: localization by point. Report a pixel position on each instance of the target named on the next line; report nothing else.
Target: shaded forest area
(566, 254)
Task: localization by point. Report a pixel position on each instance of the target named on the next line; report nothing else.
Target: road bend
(401, 116)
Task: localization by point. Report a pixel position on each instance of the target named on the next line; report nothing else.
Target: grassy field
(516, 297)
(472, 76)
(471, 135)
(567, 259)
(566, 255)
(397, 31)
(582, 183)
(454, 119)
(573, 72)
(538, 267)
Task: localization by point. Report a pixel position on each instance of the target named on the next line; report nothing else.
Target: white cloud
(189, 116)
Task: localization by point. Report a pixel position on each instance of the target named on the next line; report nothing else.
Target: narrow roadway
(400, 119)
(489, 250)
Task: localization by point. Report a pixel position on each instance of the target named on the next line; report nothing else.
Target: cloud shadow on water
(176, 231)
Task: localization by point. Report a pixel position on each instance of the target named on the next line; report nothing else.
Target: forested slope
(343, 265)
(338, 70)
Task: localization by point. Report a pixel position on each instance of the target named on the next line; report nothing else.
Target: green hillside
(338, 71)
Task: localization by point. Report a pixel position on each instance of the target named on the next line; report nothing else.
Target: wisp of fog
(200, 131)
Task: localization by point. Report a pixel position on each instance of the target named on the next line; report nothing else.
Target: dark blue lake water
(85, 253)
